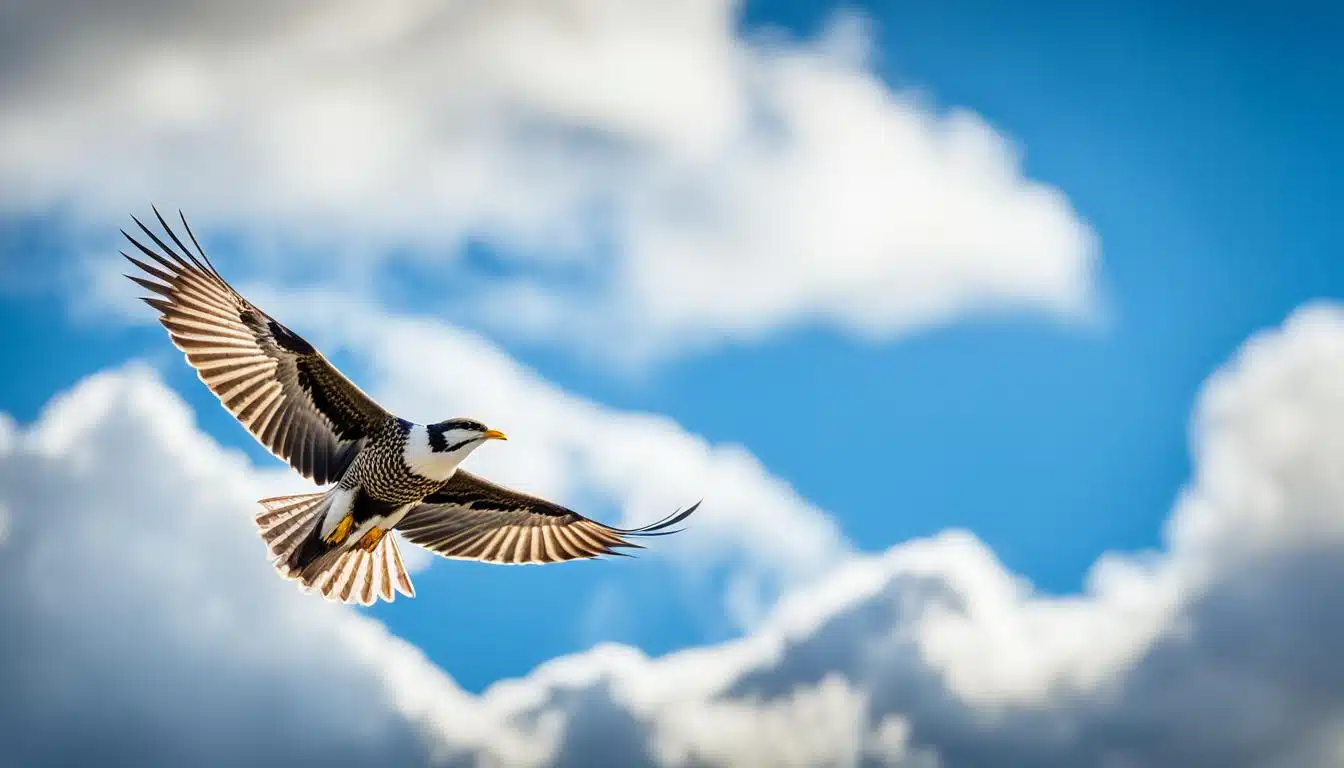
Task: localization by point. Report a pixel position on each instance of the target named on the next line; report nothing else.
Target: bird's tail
(342, 574)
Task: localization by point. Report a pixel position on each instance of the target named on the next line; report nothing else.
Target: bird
(379, 472)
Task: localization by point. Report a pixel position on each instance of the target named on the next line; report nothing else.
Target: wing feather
(278, 386)
(474, 519)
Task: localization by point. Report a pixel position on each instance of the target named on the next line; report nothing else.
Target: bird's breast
(384, 473)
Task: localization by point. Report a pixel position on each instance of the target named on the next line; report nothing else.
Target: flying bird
(385, 473)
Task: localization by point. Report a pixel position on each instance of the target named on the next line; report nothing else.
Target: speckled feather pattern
(381, 469)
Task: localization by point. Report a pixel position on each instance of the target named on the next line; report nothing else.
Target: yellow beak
(495, 434)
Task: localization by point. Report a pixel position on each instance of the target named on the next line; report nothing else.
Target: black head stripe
(438, 434)
(437, 441)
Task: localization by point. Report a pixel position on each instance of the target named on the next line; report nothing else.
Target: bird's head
(460, 436)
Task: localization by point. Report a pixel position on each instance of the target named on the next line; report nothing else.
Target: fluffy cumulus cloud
(646, 166)
(139, 621)
(138, 628)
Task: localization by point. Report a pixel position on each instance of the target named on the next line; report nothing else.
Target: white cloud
(138, 617)
(824, 724)
(657, 179)
(1220, 650)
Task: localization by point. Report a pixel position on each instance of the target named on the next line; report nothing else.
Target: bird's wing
(275, 383)
(474, 519)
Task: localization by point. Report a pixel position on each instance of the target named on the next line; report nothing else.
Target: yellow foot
(371, 539)
(337, 537)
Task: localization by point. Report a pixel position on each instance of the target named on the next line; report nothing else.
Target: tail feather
(341, 575)
(337, 581)
(357, 576)
(287, 522)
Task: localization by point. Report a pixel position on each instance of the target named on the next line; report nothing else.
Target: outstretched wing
(474, 519)
(275, 383)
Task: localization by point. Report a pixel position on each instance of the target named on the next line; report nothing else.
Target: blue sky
(1199, 147)
(1199, 144)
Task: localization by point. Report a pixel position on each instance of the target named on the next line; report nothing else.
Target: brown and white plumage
(355, 576)
(473, 519)
(275, 383)
(388, 473)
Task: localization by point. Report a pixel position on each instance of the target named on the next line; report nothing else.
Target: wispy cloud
(650, 167)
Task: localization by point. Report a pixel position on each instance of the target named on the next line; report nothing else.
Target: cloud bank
(649, 177)
(143, 621)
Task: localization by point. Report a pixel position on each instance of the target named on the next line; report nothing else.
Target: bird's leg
(371, 539)
(337, 537)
